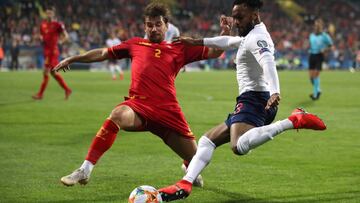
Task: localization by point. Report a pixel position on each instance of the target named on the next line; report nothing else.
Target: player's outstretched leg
(201, 159)
(103, 140)
(198, 182)
(78, 176)
(179, 190)
(304, 120)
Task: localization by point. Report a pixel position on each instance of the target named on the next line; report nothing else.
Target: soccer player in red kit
(152, 104)
(52, 32)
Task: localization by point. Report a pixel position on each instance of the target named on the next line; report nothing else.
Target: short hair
(157, 9)
(50, 7)
(253, 4)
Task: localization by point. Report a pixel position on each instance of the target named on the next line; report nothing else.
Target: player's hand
(63, 65)
(273, 101)
(185, 40)
(226, 24)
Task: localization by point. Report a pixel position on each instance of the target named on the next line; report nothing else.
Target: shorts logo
(238, 108)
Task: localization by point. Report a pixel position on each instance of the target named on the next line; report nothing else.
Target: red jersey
(152, 91)
(155, 66)
(50, 32)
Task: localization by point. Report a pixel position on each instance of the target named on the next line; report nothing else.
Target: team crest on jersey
(262, 43)
(264, 46)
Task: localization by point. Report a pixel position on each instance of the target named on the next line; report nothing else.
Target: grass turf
(40, 141)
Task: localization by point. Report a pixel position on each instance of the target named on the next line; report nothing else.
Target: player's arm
(226, 25)
(94, 55)
(329, 44)
(271, 76)
(264, 55)
(64, 36)
(217, 44)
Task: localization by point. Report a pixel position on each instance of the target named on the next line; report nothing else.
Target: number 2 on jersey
(157, 53)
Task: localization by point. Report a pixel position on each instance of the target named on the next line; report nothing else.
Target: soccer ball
(145, 194)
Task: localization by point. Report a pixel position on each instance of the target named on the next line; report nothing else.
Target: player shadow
(303, 198)
(235, 197)
(305, 104)
(12, 103)
(109, 198)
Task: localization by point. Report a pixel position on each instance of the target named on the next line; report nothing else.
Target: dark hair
(157, 9)
(50, 7)
(253, 4)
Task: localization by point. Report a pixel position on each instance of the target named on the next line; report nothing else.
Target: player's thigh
(183, 146)
(47, 71)
(236, 131)
(126, 118)
(219, 135)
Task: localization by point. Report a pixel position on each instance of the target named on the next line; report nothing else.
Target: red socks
(103, 140)
(61, 82)
(43, 85)
(46, 81)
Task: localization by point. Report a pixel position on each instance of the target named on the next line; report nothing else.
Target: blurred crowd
(90, 22)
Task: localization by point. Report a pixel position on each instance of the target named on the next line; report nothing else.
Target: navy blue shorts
(250, 109)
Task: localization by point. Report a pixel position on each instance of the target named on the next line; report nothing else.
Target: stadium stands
(89, 22)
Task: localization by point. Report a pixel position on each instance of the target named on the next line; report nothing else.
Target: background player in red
(52, 32)
(152, 104)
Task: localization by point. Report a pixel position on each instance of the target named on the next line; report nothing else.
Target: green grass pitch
(40, 141)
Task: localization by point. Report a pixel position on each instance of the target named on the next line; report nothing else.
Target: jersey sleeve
(261, 47)
(328, 40)
(263, 50)
(120, 51)
(223, 42)
(195, 53)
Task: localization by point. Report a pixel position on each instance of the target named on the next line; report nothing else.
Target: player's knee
(239, 152)
(234, 149)
(241, 147)
(119, 116)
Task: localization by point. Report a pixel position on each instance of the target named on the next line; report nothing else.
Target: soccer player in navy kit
(249, 126)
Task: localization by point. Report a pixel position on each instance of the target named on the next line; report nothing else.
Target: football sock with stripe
(103, 140)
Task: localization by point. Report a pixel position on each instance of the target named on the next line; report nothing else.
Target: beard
(246, 30)
(156, 38)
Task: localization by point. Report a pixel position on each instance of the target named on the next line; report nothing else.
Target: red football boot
(304, 120)
(180, 190)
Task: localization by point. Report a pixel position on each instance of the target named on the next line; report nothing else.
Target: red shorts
(51, 60)
(160, 119)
